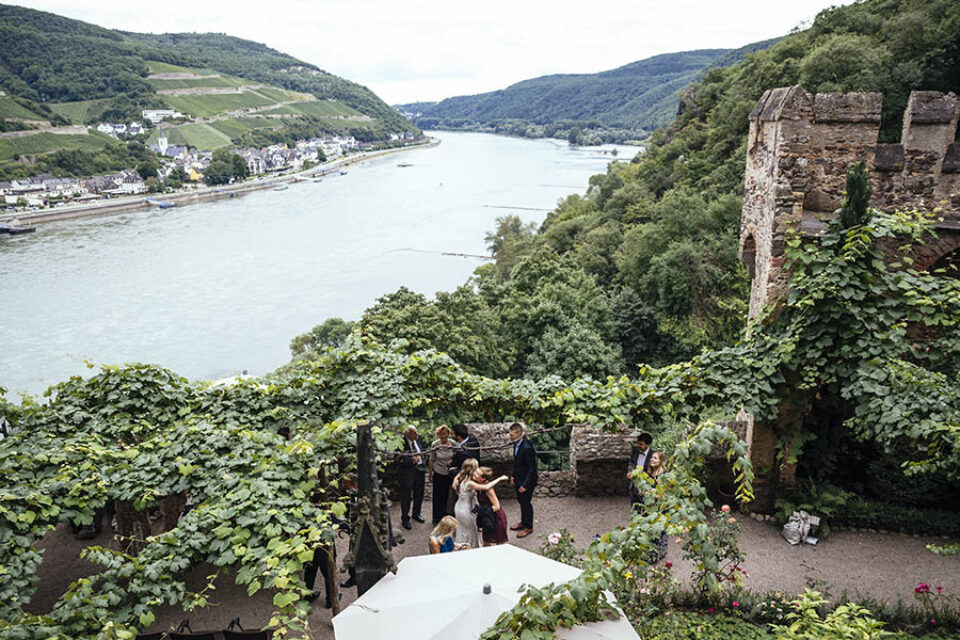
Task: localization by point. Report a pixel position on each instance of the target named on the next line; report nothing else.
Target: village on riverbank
(179, 168)
(46, 198)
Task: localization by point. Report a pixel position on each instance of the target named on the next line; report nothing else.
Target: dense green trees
(225, 167)
(115, 156)
(643, 267)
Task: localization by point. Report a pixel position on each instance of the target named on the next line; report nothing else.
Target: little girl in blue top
(441, 539)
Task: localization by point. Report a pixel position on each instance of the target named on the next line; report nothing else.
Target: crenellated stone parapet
(800, 149)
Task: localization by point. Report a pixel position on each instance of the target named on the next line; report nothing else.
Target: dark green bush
(872, 514)
(683, 625)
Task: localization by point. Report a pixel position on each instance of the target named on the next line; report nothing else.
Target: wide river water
(211, 289)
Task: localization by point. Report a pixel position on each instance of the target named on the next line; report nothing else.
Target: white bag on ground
(797, 528)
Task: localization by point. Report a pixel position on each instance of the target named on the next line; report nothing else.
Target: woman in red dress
(497, 535)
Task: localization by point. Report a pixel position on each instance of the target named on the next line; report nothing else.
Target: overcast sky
(418, 50)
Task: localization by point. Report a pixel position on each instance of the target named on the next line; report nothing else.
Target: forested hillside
(50, 58)
(637, 97)
(643, 267)
(59, 71)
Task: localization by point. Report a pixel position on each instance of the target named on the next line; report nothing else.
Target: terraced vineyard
(48, 142)
(319, 108)
(212, 135)
(79, 112)
(10, 108)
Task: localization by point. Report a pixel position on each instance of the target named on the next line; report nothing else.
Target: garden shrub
(685, 625)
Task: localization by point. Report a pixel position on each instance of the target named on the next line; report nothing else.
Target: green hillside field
(317, 108)
(10, 108)
(204, 106)
(80, 111)
(41, 143)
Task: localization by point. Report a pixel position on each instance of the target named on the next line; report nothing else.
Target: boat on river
(282, 187)
(15, 229)
(163, 204)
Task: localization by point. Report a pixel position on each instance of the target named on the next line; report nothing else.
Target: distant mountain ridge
(640, 95)
(47, 58)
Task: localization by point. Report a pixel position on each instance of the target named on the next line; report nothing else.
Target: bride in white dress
(467, 532)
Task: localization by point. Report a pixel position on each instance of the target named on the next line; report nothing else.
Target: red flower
(736, 604)
(923, 587)
(710, 610)
(939, 589)
(668, 565)
(933, 622)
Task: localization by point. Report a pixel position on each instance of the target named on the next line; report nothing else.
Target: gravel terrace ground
(882, 566)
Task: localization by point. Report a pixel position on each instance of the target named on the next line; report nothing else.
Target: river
(215, 288)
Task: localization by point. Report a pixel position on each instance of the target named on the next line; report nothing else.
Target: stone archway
(942, 253)
(948, 265)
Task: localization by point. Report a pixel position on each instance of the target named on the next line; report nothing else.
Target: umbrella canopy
(442, 596)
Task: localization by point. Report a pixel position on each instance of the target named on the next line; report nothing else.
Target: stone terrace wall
(599, 461)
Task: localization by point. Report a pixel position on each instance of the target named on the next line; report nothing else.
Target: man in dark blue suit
(524, 478)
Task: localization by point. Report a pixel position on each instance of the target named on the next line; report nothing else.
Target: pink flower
(731, 520)
(923, 587)
(725, 508)
(736, 604)
(932, 621)
(939, 589)
(710, 610)
(668, 565)
(554, 539)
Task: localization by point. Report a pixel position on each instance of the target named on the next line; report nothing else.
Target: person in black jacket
(524, 478)
(640, 455)
(411, 468)
(469, 447)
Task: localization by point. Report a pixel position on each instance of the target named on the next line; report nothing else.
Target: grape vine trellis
(139, 434)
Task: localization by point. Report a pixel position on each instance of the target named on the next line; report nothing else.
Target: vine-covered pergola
(264, 460)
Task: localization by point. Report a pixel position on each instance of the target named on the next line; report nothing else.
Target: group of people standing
(465, 501)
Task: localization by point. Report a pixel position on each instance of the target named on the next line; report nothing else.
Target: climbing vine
(262, 459)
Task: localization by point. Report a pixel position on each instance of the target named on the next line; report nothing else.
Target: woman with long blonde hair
(467, 488)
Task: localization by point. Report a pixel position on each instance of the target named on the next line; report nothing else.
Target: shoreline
(202, 194)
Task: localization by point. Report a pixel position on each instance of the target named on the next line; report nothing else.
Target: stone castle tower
(800, 149)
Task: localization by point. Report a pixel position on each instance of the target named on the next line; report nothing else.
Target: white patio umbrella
(442, 596)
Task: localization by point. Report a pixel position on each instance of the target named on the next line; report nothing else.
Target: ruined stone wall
(799, 151)
(800, 148)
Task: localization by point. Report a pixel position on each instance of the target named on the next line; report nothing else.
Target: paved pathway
(883, 566)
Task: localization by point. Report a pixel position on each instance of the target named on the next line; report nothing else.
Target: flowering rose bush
(559, 546)
(934, 601)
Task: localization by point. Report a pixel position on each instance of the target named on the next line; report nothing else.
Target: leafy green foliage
(225, 167)
(683, 625)
(845, 621)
